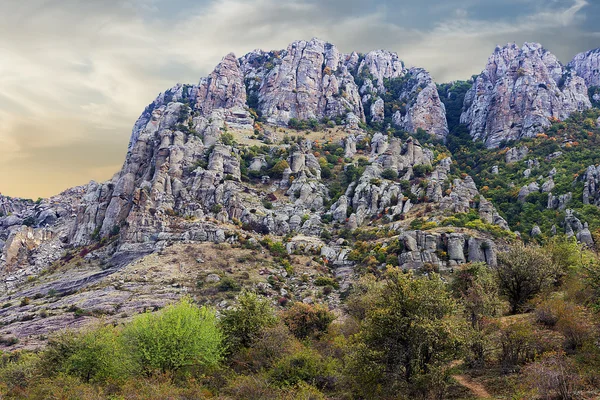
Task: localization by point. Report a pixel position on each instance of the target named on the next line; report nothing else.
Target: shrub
(268, 346)
(476, 288)
(277, 170)
(227, 139)
(389, 174)
(524, 271)
(410, 327)
(243, 323)
(20, 371)
(228, 284)
(250, 387)
(95, 355)
(305, 320)
(178, 337)
(553, 376)
(326, 281)
(519, 345)
(305, 365)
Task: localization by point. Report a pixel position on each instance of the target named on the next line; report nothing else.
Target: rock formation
(518, 93)
(587, 66)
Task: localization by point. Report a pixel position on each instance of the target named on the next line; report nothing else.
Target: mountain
(518, 93)
(339, 163)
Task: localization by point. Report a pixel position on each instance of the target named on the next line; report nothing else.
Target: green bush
(180, 336)
(243, 323)
(410, 326)
(305, 365)
(95, 355)
(326, 281)
(524, 271)
(389, 174)
(228, 284)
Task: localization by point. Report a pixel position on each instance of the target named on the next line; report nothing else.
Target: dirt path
(477, 389)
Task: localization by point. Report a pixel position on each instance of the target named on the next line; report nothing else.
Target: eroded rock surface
(518, 92)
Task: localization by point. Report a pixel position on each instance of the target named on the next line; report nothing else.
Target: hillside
(303, 186)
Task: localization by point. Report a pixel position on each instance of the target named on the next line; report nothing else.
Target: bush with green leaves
(305, 365)
(523, 272)
(180, 337)
(93, 355)
(411, 327)
(243, 323)
(476, 288)
(389, 174)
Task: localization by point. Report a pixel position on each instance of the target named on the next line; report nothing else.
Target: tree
(411, 330)
(524, 271)
(476, 287)
(178, 337)
(244, 323)
(305, 320)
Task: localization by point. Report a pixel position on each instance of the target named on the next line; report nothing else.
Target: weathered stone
(518, 92)
(587, 66)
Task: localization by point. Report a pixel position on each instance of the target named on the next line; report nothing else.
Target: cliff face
(587, 66)
(518, 92)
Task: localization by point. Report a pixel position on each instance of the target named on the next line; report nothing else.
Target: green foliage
(476, 287)
(389, 174)
(94, 355)
(305, 365)
(453, 96)
(422, 170)
(243, 323)
(277, 170)
(181, 336)
(228, 284)
(411, 325)
(227, 139)
(305, 320)
(326, 281)
(577, 138)
(594, 90)
(524, 271)
(300, 125)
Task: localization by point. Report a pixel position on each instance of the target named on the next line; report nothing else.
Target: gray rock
(587, 66)
(516, 154)
(212, 278)
(377, 110)
(518, 92)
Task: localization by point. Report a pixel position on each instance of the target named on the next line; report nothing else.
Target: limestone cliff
(518, 92)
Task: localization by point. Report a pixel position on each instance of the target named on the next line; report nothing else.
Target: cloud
(74, 75)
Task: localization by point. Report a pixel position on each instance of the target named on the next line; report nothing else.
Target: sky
(76, 74)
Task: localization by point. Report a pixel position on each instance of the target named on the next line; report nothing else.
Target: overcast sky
(75, 74)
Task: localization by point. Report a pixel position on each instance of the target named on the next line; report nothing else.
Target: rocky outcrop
(518, 93)
(591, 189)
(516, 154)
(307, 80)
(423, 107)
(223, 88)
(444, 250)
(587, 66)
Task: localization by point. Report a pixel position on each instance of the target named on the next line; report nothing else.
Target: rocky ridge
(197, 172)
(518, 93)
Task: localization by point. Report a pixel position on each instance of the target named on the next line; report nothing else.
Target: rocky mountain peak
(518, 92)
(587, 66)
(223, 88)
